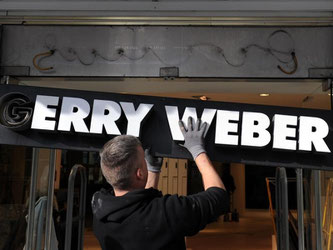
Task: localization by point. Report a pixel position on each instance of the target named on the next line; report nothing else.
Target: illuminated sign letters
(173, 118)
(254, 129)
(245, 133)
(74, 110)
(254, 126)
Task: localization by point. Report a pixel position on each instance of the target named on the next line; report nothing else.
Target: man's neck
(120, 192)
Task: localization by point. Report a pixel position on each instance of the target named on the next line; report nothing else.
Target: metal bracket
(169, 72)
(321, 73)
(326, 85)
(4, 80)
(14, 70)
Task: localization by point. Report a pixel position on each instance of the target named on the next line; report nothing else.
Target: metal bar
(271, 210)
(300, 209)
(168, 20)
(31, 212)
(331, 222)
(82, 211)
(176, 18)
(69, 214)
(331, 97)
(327, 216)
(156, 6)
(178, 23)
(284, 206)
(308, 207)
(282, 209)
(318, 213)
(278, 209)
(49, 209)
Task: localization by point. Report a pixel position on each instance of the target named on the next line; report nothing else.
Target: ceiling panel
(295, 93)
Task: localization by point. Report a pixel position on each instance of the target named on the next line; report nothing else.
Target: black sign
(82, 120)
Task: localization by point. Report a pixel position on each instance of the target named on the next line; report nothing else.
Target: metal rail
(271, 210)
(22, 19)
(318, 214)
(50, 194)
(70, 203)
(31, 212)
(282, 209)
(300, 209)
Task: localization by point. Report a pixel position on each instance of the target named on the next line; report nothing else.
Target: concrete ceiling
(292, 93)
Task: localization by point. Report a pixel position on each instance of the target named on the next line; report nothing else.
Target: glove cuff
(196, 150)
(154, 169)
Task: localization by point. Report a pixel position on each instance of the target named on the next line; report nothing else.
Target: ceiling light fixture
(201, 97)
(264, 95)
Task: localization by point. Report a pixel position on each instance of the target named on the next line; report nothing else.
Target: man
(135, 215)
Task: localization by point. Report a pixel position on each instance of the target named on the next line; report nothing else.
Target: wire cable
(215, 53)
(295, 65)
(40, 57)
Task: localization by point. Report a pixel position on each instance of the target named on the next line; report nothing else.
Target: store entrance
(247, 219)
(182, 177)
(178, 176)
(252, 226)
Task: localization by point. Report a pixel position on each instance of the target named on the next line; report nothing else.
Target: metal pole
(31, 212)
(331, 92)
(300, 208)
(284, 206)
(318, 213)
(69, 214)
(278, 209)
(50, 194)
(282, 209)
(82, 211)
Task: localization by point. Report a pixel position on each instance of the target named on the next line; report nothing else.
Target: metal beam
(318, 212)
(281, 199)
(300, 209)
(50, 195)
(32, 199)
(168, 6)
(34, 18)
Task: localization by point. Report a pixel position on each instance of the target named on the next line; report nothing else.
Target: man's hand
(154, 164)
(194, 136)
(194, 142)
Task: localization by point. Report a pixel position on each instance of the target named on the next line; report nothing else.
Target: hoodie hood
(108, 207)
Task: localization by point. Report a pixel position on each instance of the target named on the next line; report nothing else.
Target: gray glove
(154, 164)
(194, 136)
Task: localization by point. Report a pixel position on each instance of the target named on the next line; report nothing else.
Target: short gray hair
(119, 160)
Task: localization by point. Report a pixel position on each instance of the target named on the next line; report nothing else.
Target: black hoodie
(144, 219)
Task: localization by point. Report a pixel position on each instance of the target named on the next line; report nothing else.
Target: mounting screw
(120, 51)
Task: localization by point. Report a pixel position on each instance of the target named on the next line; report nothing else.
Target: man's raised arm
(194, 142)
(154, 165)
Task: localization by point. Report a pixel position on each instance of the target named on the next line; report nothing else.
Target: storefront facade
(138, 63)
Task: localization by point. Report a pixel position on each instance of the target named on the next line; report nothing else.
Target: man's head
(123, 163)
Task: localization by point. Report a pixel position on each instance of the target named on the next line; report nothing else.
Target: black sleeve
(187, 215)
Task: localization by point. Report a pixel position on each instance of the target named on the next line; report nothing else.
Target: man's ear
(138, 173)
